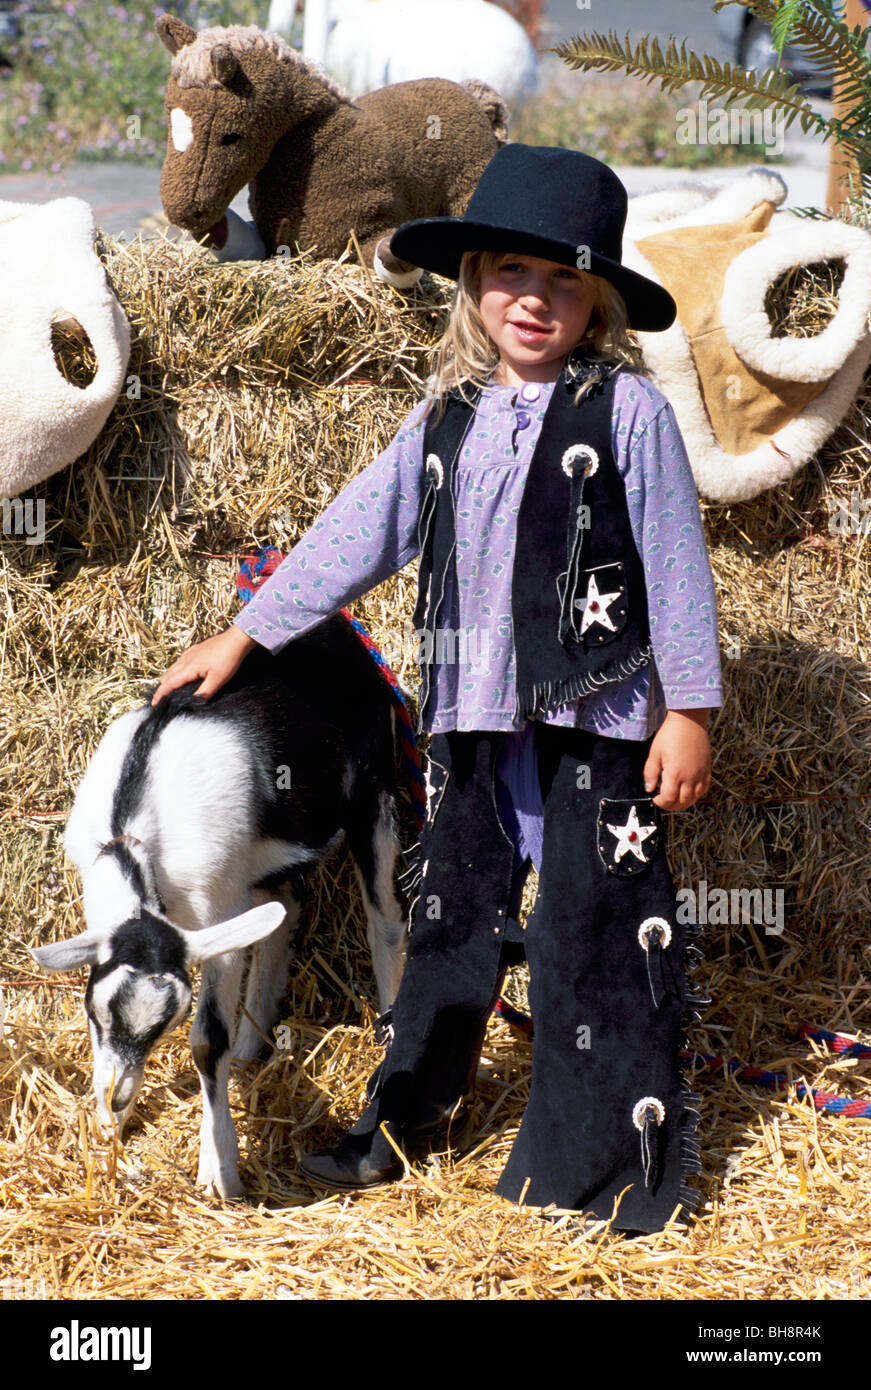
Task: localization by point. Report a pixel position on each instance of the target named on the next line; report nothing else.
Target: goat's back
(296, 730)
(323, 685)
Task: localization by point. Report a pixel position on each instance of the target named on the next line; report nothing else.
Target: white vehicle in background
(367, 44)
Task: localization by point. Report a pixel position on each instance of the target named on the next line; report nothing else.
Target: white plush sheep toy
(753, 407)
(51, 274)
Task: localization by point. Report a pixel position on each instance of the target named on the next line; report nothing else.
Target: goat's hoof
(105, 1130)
(221, 1184)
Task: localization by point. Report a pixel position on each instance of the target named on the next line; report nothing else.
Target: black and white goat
(194, 810)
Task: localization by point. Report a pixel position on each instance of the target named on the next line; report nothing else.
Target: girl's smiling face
(535, 311)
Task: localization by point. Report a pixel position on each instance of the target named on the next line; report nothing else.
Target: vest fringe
(537, 698)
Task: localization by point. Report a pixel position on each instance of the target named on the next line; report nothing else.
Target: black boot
(359, 1161)
(415, 1107)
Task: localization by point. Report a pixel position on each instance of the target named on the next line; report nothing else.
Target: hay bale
(256, 391)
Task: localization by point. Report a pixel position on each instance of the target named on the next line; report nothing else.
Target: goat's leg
(374, 850)
(267, 978)
(211, 1035)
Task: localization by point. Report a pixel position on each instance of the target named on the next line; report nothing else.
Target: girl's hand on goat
(215, 660)
(679, 760)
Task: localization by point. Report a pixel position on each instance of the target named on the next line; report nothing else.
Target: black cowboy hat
(558, 204)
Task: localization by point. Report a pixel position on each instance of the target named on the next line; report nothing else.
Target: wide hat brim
(437, 244)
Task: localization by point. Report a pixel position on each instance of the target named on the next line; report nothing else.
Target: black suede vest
(578, 594)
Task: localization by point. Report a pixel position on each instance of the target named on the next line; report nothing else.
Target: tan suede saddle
(753, 408)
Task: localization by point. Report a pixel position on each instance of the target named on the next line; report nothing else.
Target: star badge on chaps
(628, 834)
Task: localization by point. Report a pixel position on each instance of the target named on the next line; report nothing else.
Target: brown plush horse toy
(244, 107)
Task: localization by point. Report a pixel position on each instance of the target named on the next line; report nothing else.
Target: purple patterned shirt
(370, 529)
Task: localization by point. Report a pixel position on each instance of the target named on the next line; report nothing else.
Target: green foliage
(813, 27)
(87, 79)
(782, 24)
(611, 120)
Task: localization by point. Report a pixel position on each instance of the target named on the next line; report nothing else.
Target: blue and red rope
(407, 737)
(825, 1101)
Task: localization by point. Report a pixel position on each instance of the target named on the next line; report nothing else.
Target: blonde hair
(466, 353)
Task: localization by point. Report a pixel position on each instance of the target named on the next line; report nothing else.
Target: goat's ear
(236, 933)
(68, 955)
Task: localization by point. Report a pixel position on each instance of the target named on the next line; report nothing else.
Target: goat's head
(139, 988)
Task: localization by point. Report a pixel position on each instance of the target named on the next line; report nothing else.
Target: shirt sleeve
(667, 526)
(366, 534)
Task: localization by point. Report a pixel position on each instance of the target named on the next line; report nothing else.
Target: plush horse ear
(174, 32)
(225, 64)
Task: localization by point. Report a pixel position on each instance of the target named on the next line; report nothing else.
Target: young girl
(566, 630)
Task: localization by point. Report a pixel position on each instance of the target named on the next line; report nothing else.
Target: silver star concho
(630, 837)
(596, 606)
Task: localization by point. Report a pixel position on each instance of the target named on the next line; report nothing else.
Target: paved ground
(805, 181)
(125, 197)
(689, 19)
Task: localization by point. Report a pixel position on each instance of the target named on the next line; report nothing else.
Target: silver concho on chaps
(608, 1115)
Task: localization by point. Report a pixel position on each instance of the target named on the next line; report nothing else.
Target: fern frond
(677, 67)
(782, 24)
(817, 31)
(820, 36)
(814, 27)
(813, 214)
